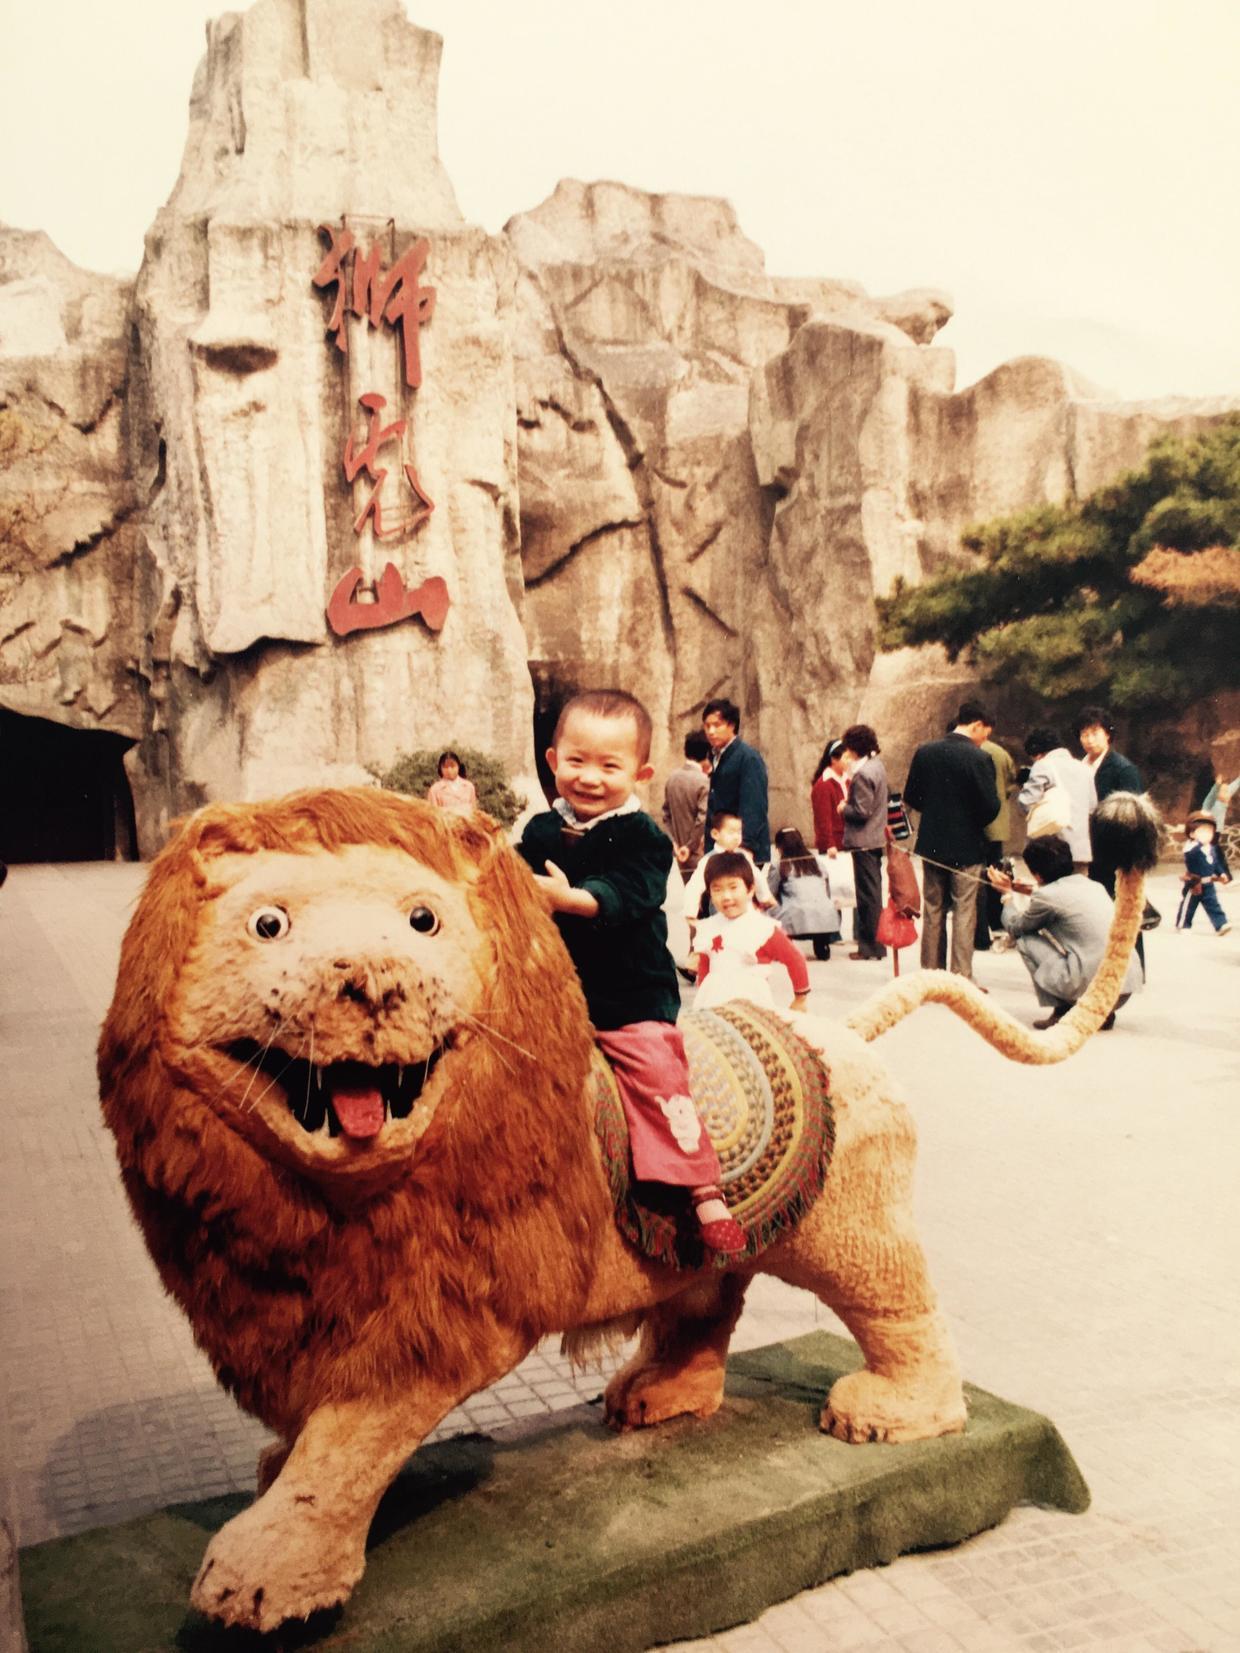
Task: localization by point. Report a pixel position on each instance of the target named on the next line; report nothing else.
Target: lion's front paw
(267, 1565)
(653, 1394)
(866, 1407)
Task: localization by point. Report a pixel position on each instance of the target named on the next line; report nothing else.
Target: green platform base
(559, 1537)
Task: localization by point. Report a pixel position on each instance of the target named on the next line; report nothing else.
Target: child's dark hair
(697, 746)
(729, 863)
(720, 816)
(795, 861)
(453, 757)
(617, 703)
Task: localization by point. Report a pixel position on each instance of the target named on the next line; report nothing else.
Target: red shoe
(724, 1234)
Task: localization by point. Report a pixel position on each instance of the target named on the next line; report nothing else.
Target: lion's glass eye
(424, 921)
(268, 923)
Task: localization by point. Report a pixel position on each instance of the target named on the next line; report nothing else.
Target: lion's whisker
(257, 1061)
(275, 1079)
(492, 1033)
(309, 1075)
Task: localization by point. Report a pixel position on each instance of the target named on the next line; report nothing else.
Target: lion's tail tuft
(1124, 831)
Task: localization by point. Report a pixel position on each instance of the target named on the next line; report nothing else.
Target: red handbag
(902, 884)
(895, 928)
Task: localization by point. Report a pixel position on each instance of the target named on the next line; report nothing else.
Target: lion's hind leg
(859, 1252)
(679, 1365)
(909, 1388)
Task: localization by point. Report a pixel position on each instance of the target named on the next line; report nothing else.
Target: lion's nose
(376, 984)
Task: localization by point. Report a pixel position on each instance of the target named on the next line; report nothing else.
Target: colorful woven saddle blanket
(763, 1095)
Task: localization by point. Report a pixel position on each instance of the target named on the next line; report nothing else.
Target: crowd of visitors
(970, 801)
(746, 901)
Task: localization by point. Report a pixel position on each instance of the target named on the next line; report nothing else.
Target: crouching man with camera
(1061, 928)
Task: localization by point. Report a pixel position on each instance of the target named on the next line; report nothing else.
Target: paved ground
(1081, 1222)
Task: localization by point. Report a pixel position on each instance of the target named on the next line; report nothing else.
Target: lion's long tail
(1126, 832)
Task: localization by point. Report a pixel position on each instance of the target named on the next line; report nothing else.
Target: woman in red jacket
(828, 792)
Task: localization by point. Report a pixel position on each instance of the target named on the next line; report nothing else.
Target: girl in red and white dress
(737, 945)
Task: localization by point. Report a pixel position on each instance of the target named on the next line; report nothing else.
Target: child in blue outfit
(1204, 867)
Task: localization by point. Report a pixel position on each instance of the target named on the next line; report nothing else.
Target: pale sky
(1067, 169)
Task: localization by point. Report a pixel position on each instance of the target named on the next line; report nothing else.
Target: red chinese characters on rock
(377, 436)
(396, 296)
(378, 295)
(392, 602)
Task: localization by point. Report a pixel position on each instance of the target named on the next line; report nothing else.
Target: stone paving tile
(1081, 1225)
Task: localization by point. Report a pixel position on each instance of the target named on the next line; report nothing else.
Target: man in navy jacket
(738, 779)
(951, 784)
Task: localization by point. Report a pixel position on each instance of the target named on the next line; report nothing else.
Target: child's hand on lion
(563, 897)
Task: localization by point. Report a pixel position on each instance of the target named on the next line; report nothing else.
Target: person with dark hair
(1061, 931)
(799, 882)
(738, 783)
(453, 790)
(951, 785)
(826, 794)
(685, 800)
(737, 945)
(1058, 796)
(1112, 771)
(864, 813)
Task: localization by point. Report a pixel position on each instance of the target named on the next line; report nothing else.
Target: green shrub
(413, 773)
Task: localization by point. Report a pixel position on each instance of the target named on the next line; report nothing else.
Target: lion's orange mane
(297, 1298)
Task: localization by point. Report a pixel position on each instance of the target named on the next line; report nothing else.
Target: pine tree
(1130, 596)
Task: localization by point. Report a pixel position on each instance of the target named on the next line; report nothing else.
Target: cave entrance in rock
(553, 685)
(66, 796)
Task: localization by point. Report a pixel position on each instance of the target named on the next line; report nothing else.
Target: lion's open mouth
(347, 1098)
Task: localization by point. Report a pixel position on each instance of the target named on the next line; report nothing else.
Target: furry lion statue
(346, 1069)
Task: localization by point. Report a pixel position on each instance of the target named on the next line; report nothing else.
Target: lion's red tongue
(359, 1106)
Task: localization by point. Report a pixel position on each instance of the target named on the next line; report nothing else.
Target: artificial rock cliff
(720, 470)
(651, 463)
